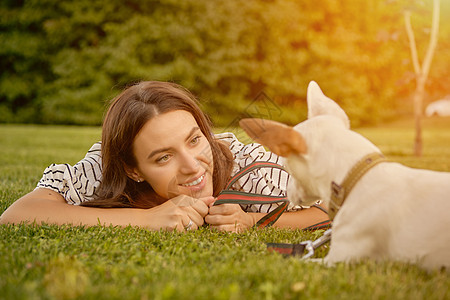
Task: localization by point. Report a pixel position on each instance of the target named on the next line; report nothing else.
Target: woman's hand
(182, 213)
(229, 217)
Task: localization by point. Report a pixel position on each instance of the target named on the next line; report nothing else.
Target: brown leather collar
(340, 192)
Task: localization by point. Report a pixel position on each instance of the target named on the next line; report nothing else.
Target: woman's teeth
(195, 182)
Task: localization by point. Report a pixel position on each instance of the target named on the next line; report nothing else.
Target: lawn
(49, 262)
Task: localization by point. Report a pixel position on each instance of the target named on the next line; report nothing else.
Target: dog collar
(340, 192)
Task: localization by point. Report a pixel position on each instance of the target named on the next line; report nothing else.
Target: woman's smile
(195, 182)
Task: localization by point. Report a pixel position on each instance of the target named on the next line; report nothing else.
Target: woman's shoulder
(76, 183)
(95, 150)
(231, 141)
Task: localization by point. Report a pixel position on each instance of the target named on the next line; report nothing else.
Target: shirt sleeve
(76, 183)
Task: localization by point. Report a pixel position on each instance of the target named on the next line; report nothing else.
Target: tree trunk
(418, 101)
(421, 71)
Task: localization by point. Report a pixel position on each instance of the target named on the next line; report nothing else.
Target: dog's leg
(352, 244)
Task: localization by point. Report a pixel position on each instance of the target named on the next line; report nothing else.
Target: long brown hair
(125, 117)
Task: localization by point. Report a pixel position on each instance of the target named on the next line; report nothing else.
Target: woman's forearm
(296, 219)
(46, 206)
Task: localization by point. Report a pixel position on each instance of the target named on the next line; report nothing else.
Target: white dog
(390, 211)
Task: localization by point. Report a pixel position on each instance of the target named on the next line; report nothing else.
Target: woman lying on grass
(159, 166)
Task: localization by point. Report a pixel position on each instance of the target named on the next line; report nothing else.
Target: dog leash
(309, 246)
(299, 249)
(238, 197)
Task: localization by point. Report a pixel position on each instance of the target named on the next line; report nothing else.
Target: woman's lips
(197, 184)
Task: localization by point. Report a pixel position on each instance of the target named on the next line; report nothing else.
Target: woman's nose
(189, 163)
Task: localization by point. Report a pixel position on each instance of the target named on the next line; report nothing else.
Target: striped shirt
(79, 182)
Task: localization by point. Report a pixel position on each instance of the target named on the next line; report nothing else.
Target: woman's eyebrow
(154, 152)
(194, 129)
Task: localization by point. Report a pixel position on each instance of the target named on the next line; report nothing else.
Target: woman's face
(174, 156)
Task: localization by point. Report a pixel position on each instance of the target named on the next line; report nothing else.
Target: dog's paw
(317, 260)
(321, 261)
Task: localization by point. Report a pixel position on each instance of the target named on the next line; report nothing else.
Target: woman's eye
(195, 140)
(163, 159)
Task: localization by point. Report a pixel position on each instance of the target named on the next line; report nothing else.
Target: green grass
(50, 262)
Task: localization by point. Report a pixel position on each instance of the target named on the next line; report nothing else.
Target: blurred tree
(62, 60)
(23, 60)
(421, 70)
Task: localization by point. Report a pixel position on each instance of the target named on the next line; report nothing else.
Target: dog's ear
(319, 104)
(281, 139)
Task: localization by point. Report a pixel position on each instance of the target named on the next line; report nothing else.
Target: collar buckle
(336, 199)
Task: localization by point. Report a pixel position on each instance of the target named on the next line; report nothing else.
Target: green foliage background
(61, 61)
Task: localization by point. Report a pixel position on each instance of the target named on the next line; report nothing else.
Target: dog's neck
(340, 192)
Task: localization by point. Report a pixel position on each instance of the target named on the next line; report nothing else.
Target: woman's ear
(133, 173)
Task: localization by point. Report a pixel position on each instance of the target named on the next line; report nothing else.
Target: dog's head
(317, 151)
